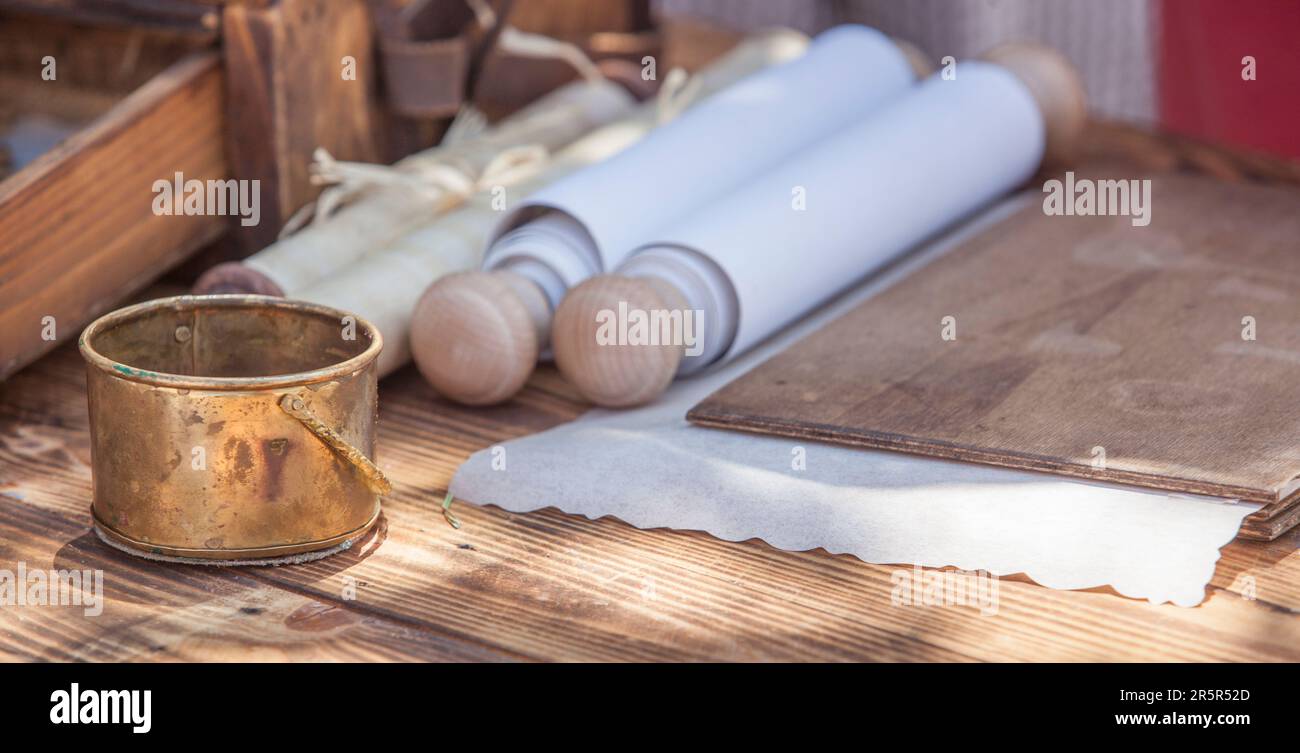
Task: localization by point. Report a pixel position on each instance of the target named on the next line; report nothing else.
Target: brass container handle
(370, 473)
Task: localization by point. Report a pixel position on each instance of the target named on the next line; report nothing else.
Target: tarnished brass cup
(232, 427)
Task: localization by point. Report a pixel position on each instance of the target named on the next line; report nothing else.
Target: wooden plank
(77, 227)
(1073, 333)
(1272, 520)
(26, 96)
(160, 612)
(547, 585)
(565, 18)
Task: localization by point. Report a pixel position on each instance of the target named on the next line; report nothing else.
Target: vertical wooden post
(287, 94)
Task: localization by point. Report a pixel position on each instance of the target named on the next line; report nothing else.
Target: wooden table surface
(549, 586)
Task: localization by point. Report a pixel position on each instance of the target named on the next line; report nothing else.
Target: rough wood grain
(566, 18)
(549, 586)
(1073, 333)
(77, 227)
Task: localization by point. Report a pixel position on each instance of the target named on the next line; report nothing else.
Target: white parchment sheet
(652, 469)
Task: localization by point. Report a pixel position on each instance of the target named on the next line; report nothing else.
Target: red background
(1201, 90)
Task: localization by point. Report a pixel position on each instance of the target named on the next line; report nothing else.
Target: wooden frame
(77, 227)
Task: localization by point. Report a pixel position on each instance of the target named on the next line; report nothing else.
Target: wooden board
(287, 97)
(1074, 336)
(548, 586)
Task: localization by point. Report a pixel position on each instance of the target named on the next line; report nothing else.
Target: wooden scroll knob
(1056, 87)
(233, 277)
(476, 336)
(600, 350)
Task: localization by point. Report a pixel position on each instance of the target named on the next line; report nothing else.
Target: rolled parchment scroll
(742, 267)
(587, 223)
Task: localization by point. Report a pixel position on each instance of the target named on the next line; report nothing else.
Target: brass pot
(232, 427)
